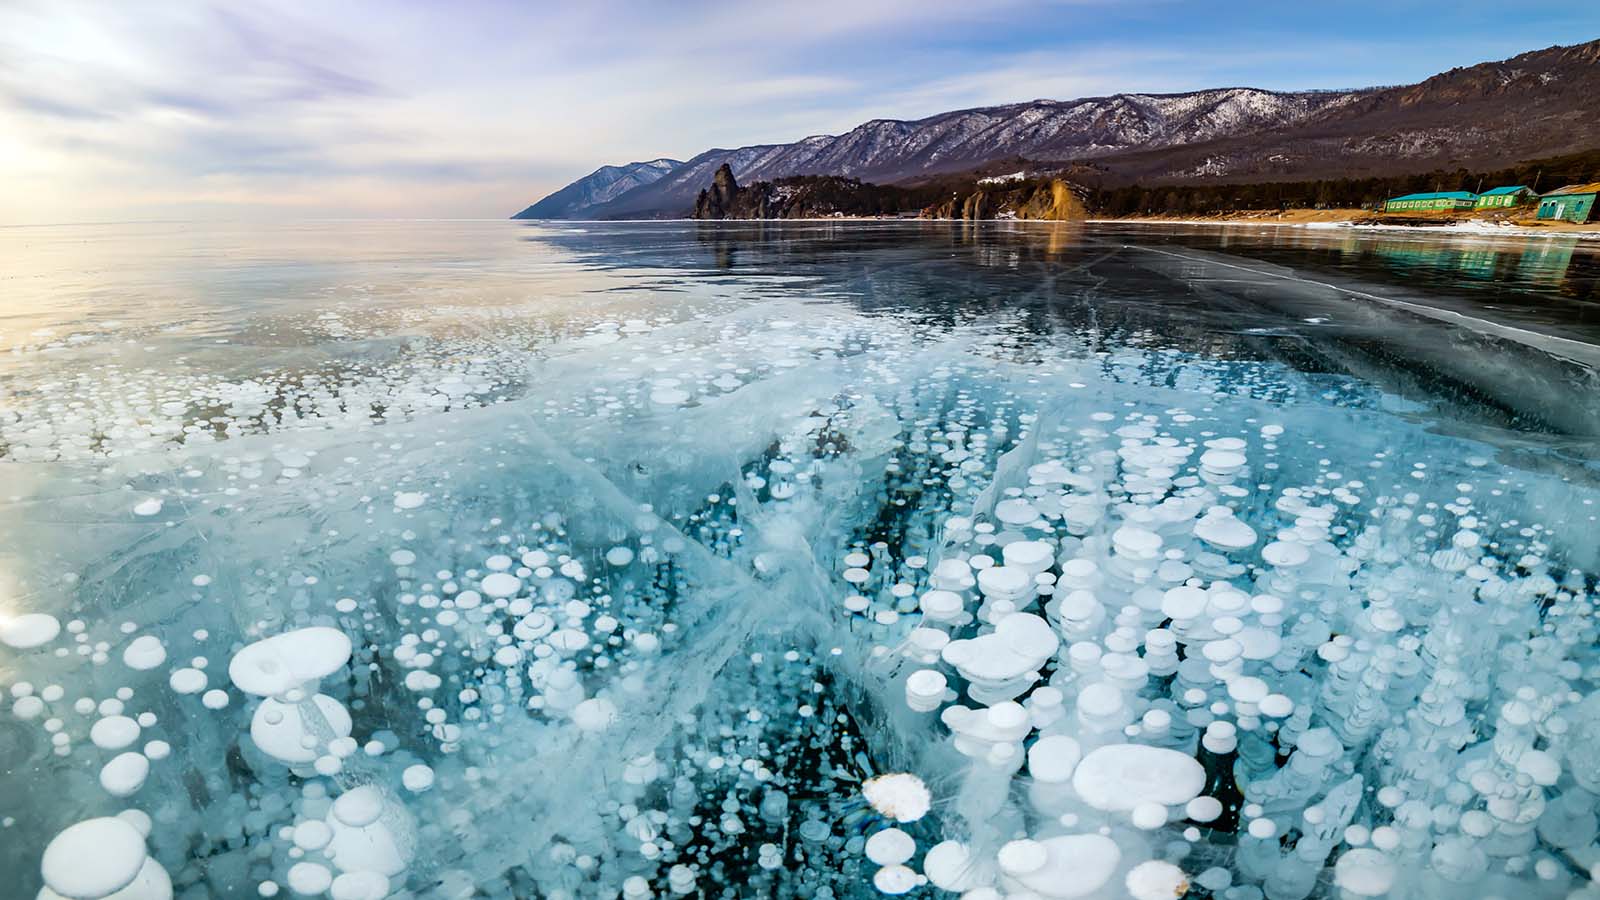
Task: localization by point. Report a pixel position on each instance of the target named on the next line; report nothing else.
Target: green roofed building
(1435, 200)
(1505, 197)
(1574, 203)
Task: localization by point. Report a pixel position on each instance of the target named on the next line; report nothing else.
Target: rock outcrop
(717, 201)
(1047, 199)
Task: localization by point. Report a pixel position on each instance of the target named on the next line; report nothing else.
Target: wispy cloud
(474, 108)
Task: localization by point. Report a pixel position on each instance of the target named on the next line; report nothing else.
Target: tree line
(1335, 193)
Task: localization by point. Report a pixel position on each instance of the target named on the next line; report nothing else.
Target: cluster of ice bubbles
(111, 411)
(947, 640)
(102, 409)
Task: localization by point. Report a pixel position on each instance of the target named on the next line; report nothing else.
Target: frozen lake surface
(455, 560)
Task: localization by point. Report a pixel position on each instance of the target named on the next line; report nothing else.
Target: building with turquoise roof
(1505, 197)
(1446, 200)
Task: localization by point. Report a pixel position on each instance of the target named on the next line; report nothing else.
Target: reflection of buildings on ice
(1546, 262)
(1542, 262)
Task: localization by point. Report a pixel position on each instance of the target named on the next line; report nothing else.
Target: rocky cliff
(1048, 199)
(721, 200)
(805, 197)
(822, 196)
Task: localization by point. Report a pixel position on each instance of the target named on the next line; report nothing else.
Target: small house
(1505, 197)
(1437, 200)
(1573, 203)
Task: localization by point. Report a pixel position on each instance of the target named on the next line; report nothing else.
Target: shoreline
(1316, 221)
(1352, 220)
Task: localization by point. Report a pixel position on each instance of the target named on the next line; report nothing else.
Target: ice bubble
(1540, 766)
(1136, 543)
(275, 665)
(364, 885)
(124, 774)
(309, 879)
(1015, 511)
(367, 848)
(139, 819)
(1073, 865)
(895, 880)
(93, 858)
(1365, 872)
(28, 630)
(1184, 602)
(1285, 554)
(150, 506)
(901, 796)
(279, 729)
(1149, 816)
(114, 732)
(417, 778)
(1220, 528)
(214, 699)
(949, 865)
(144, 652)
(1053, 758)
(29, 707)
(187, 681)
(1156, 879)
(313, 834)
(1247, 689)
(890, 847)
(408, 499)
(941, 606)
(594, 714)
(1005, 583)
(1018, 646)
(925, 690)
(359, 806)
(1118, 777)
(501, 584)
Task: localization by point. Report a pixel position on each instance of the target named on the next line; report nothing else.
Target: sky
(285, 109)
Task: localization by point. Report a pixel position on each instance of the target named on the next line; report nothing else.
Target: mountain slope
(600, 186)
(1485, 116)
(888, 150)
(1488, 115)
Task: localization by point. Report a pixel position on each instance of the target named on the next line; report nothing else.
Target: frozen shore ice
(860, 610)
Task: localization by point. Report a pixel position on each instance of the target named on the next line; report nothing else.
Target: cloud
(367, 107)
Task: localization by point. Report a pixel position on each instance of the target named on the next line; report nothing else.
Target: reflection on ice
(795, 602)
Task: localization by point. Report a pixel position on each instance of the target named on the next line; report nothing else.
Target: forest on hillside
(1337, 193)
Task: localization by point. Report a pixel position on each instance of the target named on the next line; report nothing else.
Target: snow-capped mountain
(600, 186)
(888, 150)
(1535, 104)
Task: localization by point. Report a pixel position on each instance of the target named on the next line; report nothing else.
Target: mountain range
(599, 187)
(1493, 114)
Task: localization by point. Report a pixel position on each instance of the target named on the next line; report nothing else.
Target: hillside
(1479, 117)
(948, 197)
(1486, 116)
(603, 185)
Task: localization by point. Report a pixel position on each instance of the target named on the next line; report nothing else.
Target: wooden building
(1573, 203)
(1505, 197)
(1437, 200)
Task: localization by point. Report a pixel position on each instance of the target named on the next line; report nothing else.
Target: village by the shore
(1511, 209)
